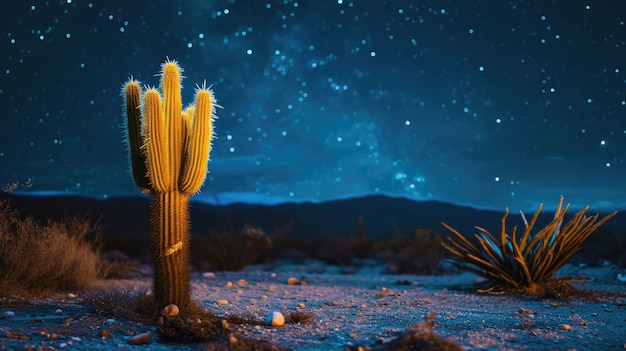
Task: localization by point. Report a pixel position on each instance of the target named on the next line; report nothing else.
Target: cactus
(169, 152)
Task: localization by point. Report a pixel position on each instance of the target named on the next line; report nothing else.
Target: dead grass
(231, 250)
(37, 259)
(421, 253)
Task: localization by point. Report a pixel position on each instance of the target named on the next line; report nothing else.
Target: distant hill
(383, 216)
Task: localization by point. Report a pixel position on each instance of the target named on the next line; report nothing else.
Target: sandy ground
(351, 306)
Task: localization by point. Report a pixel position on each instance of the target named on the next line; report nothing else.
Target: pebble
(275, 319)
(58, 312)
(8, 314)
(71, 296)
(222, 302)
(140, 339)
(208, 275)
(170, 310)
(292, 281)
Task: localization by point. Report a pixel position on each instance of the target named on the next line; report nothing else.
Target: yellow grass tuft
(526, 264)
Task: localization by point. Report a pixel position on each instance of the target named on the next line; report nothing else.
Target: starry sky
(486, 103)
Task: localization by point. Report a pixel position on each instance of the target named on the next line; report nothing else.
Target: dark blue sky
(489, 103)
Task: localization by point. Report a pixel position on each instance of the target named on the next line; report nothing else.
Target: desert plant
(341, 250)
(169, 152)
(421, 253)
(42, 258)
(232, 251)
(527, 264)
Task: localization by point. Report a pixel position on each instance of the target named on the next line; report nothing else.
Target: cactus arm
(157, 139)
(132, 100)
(173, 110)
(199, 146)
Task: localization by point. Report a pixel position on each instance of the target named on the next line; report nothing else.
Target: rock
(140, 339)
(292, 281)
(8, 314)
(170, 310)
(208, 275)
(275, 319)
(58, 312)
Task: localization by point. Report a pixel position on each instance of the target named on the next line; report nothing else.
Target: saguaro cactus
(169, 152)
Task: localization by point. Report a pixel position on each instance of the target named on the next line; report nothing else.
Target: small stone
(71, 296)
(526, 312)
(170, 310)
(566, 327)
(58, 312)
(140, 339)
(208, 275)
(275, 319)
(8, 314)
(292, 281)
(222, 302)
(242, 282)
(111, 321)
(105, 333)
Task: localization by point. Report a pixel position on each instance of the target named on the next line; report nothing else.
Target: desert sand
(360, 305)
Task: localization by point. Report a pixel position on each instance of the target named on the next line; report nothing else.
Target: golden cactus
(169, 152)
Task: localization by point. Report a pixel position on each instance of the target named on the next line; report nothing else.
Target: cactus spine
(169, 152)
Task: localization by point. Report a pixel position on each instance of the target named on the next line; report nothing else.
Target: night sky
(486, 103)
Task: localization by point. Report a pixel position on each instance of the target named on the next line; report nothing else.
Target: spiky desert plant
(526, 264)
(169, 152)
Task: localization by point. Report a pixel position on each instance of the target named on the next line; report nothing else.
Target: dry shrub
(420, 253)
(36, 259)
(231, 250)
(341, 250)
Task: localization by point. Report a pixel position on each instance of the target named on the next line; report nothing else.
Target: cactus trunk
(169, 236)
